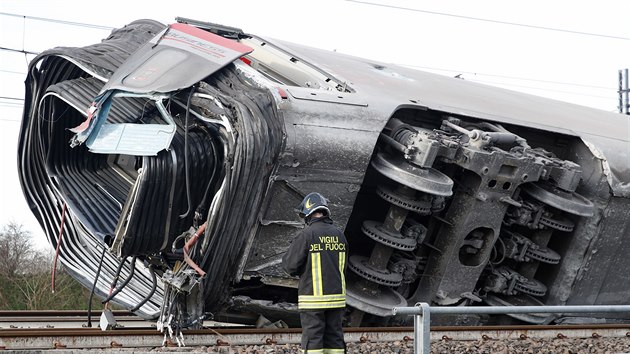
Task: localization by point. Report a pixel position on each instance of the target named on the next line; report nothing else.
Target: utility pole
(624, 92)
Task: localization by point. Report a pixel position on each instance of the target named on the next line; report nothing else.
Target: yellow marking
(342, 264)
(330, 297)
(316, 274)
(315, 247)
(308, 204)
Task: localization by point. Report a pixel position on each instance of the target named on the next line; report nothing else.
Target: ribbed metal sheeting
(60, 85)
(157, 210)
(142, 203)
(252, 111)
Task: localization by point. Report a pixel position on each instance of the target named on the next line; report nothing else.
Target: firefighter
(318, 255)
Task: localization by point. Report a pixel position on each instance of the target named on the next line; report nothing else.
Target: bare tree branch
(16, 250)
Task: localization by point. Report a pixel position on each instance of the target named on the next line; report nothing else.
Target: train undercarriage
(458, 212)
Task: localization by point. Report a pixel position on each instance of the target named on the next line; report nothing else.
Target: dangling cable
(190, 95)
(54, 269)
(122, 286)
(153, 287)
(112, 286)
(98, 273)
(191, 243)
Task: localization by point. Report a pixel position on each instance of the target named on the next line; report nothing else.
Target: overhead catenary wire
(12, 72)
(11, 98)
(506, 76)
(494, 83)
(439, 69)
(11, 105)
(472, 18)
(373, 4)
(22, 51)
(88, 25)
(53, 20)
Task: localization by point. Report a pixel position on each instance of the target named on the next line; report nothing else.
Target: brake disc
(422, 207)
(428, 180)
(570, 202)
(530, 286)
(543, 254)
(359, 265)
(383, 235)
(563, 224)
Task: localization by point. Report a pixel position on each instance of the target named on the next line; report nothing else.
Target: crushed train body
(172, 157)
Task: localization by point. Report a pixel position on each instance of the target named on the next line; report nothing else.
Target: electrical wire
(151, 292)
(11, 102)
(508, 77)
(360, 2)
(191, 243)
(113, 294)
(537, 88)
(11, 98)
(490, 20)
(112, 286)
(407, 65)
(18, 50)
(98, 273)
(53, 20)
(58, 248)
(12, 72)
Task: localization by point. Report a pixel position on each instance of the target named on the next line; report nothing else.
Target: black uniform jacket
(318, 256)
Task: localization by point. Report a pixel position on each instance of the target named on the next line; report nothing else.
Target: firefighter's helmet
(311, 203)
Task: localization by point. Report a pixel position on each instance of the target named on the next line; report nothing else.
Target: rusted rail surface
(63, 319)
(83, 338)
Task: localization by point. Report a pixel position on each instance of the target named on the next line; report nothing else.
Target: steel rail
(85, 338)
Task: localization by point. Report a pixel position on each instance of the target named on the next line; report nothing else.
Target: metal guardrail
(422, 316)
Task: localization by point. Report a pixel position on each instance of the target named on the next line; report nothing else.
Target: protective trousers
(322, 331)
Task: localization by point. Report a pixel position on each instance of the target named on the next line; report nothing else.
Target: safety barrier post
(422, 329)
(421, 325)
(422, 316)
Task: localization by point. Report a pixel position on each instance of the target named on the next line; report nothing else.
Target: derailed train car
(167, 162)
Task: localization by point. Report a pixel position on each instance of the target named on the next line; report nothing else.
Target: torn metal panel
(129, 138)
(175, 58)
(615, 162)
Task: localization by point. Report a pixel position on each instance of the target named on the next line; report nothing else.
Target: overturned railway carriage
(172, 157)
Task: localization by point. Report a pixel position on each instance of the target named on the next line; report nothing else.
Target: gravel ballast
(527, 346)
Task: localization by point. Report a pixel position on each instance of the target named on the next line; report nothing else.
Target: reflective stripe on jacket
(318, 255)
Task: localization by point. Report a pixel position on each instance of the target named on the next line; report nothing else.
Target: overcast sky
(565, 50)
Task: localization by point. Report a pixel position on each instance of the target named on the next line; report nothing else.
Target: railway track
(63, 319)
(73, 335)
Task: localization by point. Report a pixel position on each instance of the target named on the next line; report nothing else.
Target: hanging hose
(122, 286)
(54, 269)
(115, 279)
(98, 273)
(153, 287)
(191, 243)
(186, 169)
